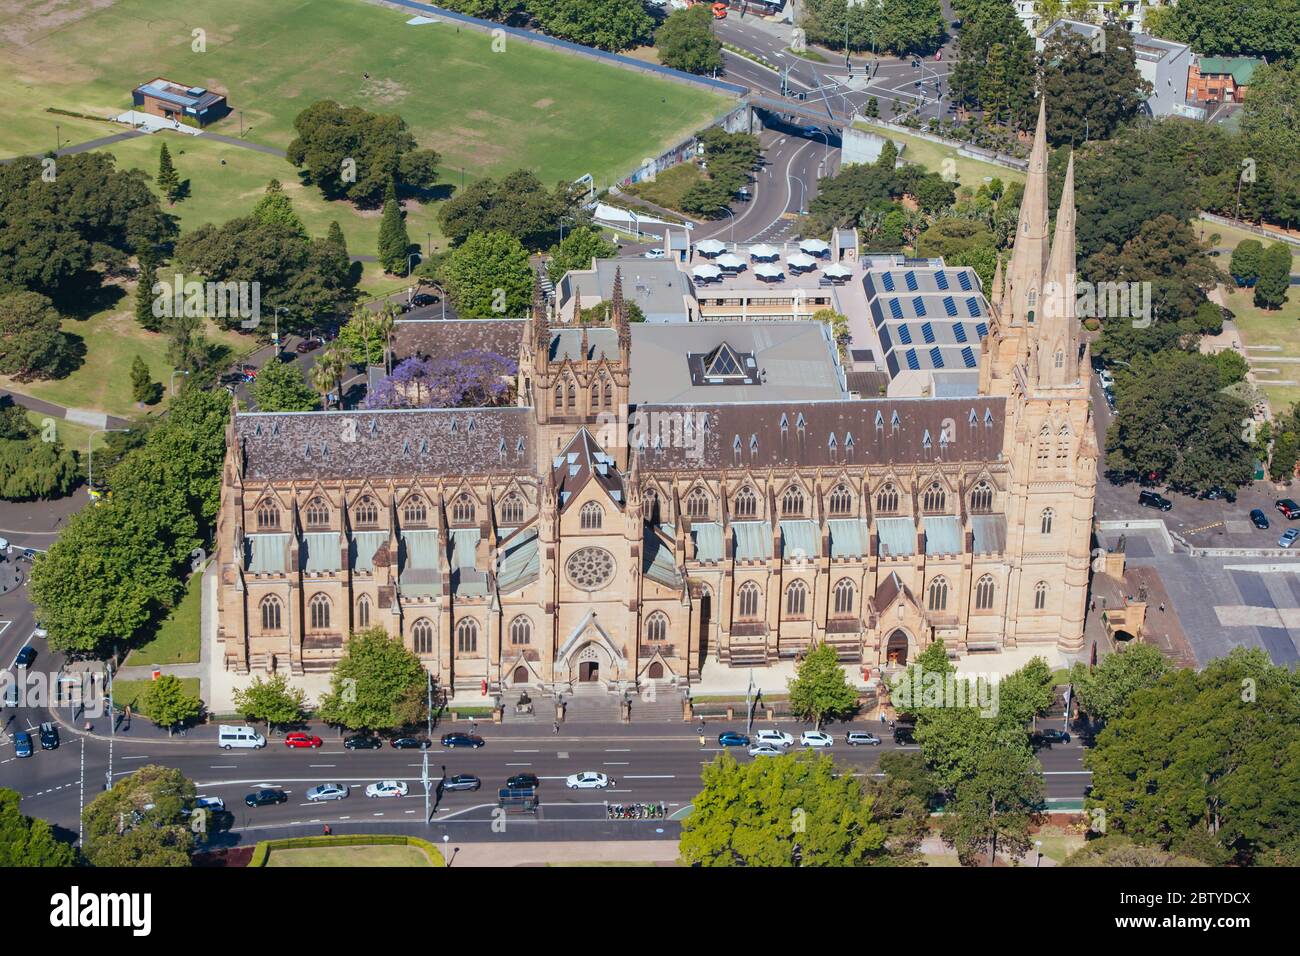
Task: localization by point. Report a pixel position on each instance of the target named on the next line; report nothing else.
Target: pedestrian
(701, 741)
(1162, 607)
(327, 830)
(556, 728)
(882, 717)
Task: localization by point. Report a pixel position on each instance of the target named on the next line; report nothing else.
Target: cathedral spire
(620, 310)
(996, 298)
(1057, 341)
(1029, 252)
(540, 316)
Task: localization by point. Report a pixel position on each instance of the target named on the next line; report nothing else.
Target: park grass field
(1279, 328)
(350, 856)
(970, 172)
(486, 112)
(130, 693)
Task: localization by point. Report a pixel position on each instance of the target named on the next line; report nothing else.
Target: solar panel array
(949, 325)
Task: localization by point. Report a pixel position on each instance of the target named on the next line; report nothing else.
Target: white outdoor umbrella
(706, 272)
(710, 247)
(801, 261)
(815, 246)
(837, 271)
(768, 271)
(764, 251)
(730, 261)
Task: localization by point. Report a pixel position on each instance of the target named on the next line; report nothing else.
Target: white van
(245, 736)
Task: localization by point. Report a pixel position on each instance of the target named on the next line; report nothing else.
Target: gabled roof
(581, 461)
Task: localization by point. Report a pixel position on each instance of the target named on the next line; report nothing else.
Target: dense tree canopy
(353, 154)
(29, 841)
(1269, 28)
(579, 247)
(685, 41)
(141, 821)
(606, 24)
(1090, 92)
(31, 467)
(995, 63)
(376, 675)
(489, 276)
(820, 690)
(902, 26)
(280, 387)
(31, 343)
(1103, 692)
(730, 158)
(517, 205)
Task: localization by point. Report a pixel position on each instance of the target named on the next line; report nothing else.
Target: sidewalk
(657, 852)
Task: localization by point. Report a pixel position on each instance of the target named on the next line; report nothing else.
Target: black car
(462, 781)
(49, 736)
(1045, 738)
(1218, 494)
(363, 742)
(523, 781)
(1150, 499)
(1259, 519)
(307, 345)
(411, 743)
(424, 298)
(462, 740)
(25, 657)
(266, 798)
(903, 736)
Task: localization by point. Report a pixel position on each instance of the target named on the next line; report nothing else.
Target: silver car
(328, 791)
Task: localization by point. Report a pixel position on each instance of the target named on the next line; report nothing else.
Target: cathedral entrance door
(589, 672)
(896, 649)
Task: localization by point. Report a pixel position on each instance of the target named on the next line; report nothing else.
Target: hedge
(263, 849)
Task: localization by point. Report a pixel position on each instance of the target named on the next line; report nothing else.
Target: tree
(1165, 253)
(370, 681)
(995, 65)
(489, 276)
(903, 796)
(169, 183)
(820, 691)
(1091, 92)
(1174, 423)
(145, 312)
(517, 204)
(143, 388)
(353, 154)
(1206, 764)
(141, 821)
(393, 240)
(792, 810)
(271, 700)
(606, 24)
(166, 703)
(601, 314)
(1120, 851)
(29, 841)
(1246, 27)
(31, 468)
(685, 41)
(275, 208)
(908, 26)
(1104, 692)
(475, 378)
(948, 236)
(579, 248)
(1246, 260)
(280, 387)
(31, 344)
(1274, 277)
(995, 807)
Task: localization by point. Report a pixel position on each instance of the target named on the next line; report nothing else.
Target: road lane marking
(322, 765)
(650, 776)
(618, 750)
(614, 763)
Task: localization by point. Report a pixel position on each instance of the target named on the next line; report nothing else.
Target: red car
(299, 739)
(1288, 508)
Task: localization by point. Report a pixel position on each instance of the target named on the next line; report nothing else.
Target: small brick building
(192, 105)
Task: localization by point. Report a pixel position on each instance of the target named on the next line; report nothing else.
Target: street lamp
(1038, 846)
(90, 455)
(413, 255)
(446, 851)
(727, 210)
(802, 191)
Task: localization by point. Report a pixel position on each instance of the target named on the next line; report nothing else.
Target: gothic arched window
(591, 516)
(521, 631)
(796, 599)
(422, 636)
(936, 499)
(268, 516)
(271, 613)
(844, 593)
(984, 591)
(887, 500)
(938, 595)
(792, 502)
(745, 503)
(981, 497)
(750, 600)
(841, 502)
(319, 610)
(318, 513)
(467, 636)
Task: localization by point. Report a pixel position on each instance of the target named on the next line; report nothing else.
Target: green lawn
(970, 172)
(488, 112)
(71, 434)
(112, 339)
(127, 693)
(670, 186)
(1230, 236)
(1282, 328)
(177, 639)
(1058, 843)
(350, 856)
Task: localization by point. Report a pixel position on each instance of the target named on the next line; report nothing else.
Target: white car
(387, 788)
(776, 738)
(334, 791)
(764, 750)
(815, 738)
(587, 780)
(1106, 378)
(653, 254)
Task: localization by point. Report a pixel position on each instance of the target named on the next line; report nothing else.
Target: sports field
(488, 112)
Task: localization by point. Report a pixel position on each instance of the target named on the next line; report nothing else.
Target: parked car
(328, 791)
(23, 744)
(307, 345)
(29, 554)
(1259, 519)
(764, 750)
(462, 781)
(523, 781)
(412, 743)
(860, 738)
(266, 798)
(776, 738)
(49, 736)
(25, 657)
(1288, 537)
(387, 788)
(653, 254)
(1290, 510)
(587, 780)
(1106, 378)
(423, 299)
(298, 740)
(904, 736)
(730, 738)
(363, 742)
(1218, 494)
(209, 803)
(1049, 736)
(815, 738)
(462, 740)
(1151, 499)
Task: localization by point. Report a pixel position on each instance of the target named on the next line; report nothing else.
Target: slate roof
(440, 337)
(871, 431)
(382, 444)
(582, 460)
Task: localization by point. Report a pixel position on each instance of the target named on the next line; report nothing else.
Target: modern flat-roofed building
(192, 105)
